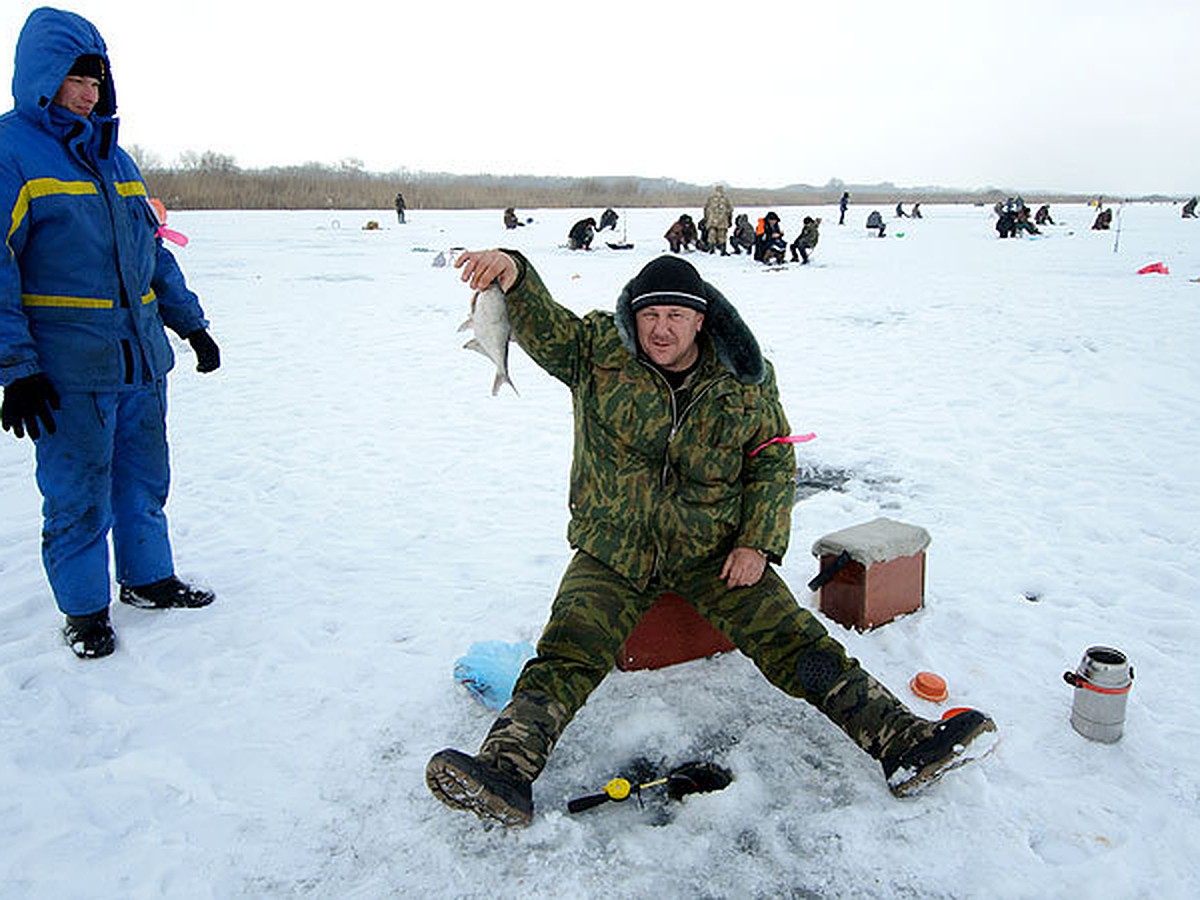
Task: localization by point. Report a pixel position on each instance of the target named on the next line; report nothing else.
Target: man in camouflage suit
(676, 485)
(718, 216)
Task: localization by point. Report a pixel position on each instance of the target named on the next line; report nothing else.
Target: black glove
(26, 401)
(208, 355)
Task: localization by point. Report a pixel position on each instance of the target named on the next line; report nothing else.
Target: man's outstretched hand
(482, 267)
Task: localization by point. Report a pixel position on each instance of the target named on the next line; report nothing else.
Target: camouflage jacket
(718, 211)
(656, 489)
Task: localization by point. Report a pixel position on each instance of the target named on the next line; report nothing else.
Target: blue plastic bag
(490, 669)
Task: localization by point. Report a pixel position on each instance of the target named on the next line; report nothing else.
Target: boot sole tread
(460, 790)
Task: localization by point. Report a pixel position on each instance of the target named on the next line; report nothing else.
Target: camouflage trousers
(595, 611)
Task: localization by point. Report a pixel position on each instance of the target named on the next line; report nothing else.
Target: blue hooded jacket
(85, 283)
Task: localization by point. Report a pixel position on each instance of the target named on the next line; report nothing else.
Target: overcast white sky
(1078, 95)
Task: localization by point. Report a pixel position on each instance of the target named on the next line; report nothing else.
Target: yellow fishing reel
(618, 789)
(690, 778)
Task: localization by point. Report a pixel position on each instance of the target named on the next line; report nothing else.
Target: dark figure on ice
(900, 213)
(682, 234)
(1042, 216)
(1023, 223)
(669, 492)
(743, 234)
(608, 219)
(843, 205)
(511, 220)
(916, 211)
(807, 240)
(1189, 209)
(1103, 220)
(769, 245)
(86, 291)
(581, 234)
(1006, 223)
(875, 221)
(400, 208)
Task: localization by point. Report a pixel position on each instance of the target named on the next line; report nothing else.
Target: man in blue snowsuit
(86, 287)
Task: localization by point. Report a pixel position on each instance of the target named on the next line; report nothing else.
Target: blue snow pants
(105, 469)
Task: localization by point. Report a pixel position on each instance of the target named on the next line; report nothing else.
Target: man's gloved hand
(26, 401)
(208, 355)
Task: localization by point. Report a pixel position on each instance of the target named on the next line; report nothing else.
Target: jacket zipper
(677, 418)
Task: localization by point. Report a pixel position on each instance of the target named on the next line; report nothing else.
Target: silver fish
(489, 319)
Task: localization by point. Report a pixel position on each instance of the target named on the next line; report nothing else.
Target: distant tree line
(211, 180)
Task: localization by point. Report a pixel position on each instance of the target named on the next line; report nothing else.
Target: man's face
(667, 334)
(79, 94)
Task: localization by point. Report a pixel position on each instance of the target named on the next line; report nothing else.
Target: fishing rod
(689, 778)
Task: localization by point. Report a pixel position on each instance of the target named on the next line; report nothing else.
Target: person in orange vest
(769, 245)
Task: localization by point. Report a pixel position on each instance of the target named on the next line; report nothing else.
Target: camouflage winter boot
(497, 783)
(919, 757)
(914, 752)
(470, 783)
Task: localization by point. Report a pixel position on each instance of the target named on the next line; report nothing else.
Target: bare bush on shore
(212, 181)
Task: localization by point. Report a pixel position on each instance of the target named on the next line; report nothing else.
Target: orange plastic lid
(929, 686)
(954, 711)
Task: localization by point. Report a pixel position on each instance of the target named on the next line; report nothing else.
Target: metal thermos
(1102, 684)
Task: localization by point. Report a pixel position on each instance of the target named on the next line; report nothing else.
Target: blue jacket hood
(47, 47)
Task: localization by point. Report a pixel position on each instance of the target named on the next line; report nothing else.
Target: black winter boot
(924, 756)
(90, 636)
(169, 593)
(467, 782)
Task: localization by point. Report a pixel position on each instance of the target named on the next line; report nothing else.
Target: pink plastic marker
(786, 439)
(171, 235)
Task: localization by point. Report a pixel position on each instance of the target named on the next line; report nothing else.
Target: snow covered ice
(366, 510)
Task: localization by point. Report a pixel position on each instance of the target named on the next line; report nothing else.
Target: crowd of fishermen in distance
(720, 231)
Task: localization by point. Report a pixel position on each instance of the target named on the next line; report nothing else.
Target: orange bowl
(929, 686)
